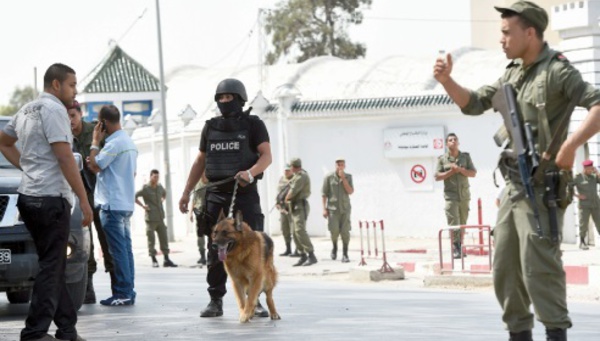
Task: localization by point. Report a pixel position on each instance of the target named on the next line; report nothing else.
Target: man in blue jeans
(115, 165)
(45, 199)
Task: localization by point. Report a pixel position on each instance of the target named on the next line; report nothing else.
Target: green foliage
(303, 29)
(7, 110)
(19, 98)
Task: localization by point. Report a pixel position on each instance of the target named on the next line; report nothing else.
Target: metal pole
(163, 112)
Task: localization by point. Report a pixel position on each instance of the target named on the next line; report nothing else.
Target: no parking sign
(418, 174)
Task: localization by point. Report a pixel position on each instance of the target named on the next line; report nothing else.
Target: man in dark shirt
(232, 146)
(82, 141)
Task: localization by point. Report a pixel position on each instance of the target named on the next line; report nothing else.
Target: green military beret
(528, 10)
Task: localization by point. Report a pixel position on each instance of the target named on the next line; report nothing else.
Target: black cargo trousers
(48, 219)
(249, 204)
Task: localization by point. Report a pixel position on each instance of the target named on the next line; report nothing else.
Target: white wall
(379, 189)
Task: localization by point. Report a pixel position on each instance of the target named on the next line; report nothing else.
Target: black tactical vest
(228, 147)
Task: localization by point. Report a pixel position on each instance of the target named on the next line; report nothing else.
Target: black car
(18, 257)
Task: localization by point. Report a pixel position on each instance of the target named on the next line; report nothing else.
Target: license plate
(4, 256)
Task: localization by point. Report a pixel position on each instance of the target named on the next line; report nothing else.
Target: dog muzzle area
(223, 249)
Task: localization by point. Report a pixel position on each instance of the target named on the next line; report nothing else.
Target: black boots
(288, 250)
(345, 258)
(154, 262)
(213, 309)
(311, 259)
(259, 311)
(556, 334)
(521, 336)
(296, 254)
(334, 252)
(582, 244)
(202, 260)
(90, 295)
(302, 260)
(457, 250)
(169, 263)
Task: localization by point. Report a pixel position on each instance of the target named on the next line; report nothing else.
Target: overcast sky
(210, 33)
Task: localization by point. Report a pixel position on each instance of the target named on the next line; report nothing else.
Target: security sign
(418, 174)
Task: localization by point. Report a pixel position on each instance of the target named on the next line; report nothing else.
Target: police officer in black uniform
(233, 145)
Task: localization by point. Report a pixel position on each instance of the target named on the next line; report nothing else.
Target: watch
(94, 147)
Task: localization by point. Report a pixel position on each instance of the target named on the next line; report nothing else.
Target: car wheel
(17, 297)
(77, 289)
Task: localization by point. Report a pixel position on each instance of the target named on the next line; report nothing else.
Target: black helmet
(231, 86)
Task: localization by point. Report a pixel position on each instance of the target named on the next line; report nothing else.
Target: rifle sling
(556, 141)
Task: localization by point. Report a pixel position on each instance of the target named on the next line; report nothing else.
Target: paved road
(312, 308)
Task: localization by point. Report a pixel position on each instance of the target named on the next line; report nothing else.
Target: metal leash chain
(235, 187)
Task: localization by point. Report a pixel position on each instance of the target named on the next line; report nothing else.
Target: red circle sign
(418, 173)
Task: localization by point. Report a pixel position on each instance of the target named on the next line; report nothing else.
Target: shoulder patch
(561, 57)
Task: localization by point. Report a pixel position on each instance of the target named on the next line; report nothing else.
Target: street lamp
(163, 111)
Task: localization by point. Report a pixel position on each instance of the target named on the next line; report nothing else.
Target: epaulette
(512, 64)
(561, 57)
(466, 153)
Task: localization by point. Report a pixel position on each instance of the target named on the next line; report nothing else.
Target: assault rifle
(280, 199)
(523, 147)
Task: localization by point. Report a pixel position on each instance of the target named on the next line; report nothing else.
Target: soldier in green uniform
(199, 203)
(528, 269)
(586, 184)
(455, 168)
(154, 194)
(82, 141)
(336, 191)
(299, 209)
(284, 218)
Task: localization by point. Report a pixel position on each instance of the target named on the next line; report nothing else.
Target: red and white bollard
(386, 266)
(362, 250)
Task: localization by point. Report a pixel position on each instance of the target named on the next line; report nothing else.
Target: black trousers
(249, 205)
(108, 262)
(47, 219)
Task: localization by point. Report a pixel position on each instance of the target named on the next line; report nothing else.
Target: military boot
(296, 254)
(334, 252)
(168, 263)
(202, 260)
(154, 262)
(259, 311)
(582, 244)
(213, 309)
(521, 336)
(556, 334)
(456, 250)
(345, 258)
(288, 250)
(311, 259)
(90, 295)
(302, 259)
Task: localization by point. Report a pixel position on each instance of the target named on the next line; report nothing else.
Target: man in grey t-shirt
(45, 200)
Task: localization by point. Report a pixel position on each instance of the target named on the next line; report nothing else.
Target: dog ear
(221, 216)
(238, 220)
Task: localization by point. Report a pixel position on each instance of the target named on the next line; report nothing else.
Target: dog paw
(275, 317)
(245, 318)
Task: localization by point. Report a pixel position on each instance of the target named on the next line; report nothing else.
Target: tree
(19, 98)
(311, 28)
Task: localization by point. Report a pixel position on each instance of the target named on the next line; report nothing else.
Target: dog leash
(235, 187)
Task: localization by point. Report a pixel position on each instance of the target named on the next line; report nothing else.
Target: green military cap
(296, 162)
(528, 10)
(288, 166)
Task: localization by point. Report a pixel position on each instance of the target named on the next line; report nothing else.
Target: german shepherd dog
(248, 259)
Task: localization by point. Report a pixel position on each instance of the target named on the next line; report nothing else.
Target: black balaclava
(231, 108)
